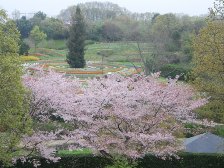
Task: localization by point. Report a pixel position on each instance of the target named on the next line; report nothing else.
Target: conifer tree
(76, 45)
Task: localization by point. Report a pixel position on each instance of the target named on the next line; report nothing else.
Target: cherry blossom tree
(51, 94)
(129, 116)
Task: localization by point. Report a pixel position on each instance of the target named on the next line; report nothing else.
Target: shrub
(213, 110)
(121, 162)
(24, 49)
(219, 130)
(172, 70)
(187, 160)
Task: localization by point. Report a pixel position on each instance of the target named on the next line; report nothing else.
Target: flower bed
(91, 69)
(29, 58)
(38, 54)
(50, 52)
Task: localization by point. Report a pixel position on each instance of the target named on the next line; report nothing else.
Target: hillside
(101, 11)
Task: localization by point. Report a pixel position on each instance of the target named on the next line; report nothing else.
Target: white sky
(53, 7)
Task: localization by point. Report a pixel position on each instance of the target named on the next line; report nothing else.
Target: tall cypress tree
(76, 45)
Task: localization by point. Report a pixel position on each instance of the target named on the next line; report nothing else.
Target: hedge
(171, 70)
(186, 161)
(86, 161)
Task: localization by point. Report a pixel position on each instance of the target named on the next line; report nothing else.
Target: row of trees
(104, 22)
(52, 27)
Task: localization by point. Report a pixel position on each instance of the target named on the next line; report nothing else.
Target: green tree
(14, 117)
(24, 48)
(208, 60)
(166, 33)
(37, 18)
(111, 32)
(54, 28)
(76, 41)
(166, 39)
(37, 36)
(24, 26)
(208, 68)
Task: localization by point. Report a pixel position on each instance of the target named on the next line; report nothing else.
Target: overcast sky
(53, 7)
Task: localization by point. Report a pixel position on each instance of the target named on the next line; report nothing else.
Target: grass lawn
(83, 151)
(118, 51)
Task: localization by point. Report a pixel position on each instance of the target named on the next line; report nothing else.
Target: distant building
(204, 143)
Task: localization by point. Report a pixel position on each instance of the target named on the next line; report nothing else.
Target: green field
(112, 52)
(101, 58)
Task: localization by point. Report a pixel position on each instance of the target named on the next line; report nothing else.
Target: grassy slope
(120, 51)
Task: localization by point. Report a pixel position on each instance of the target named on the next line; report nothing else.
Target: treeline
(109, 22)
(52, 27)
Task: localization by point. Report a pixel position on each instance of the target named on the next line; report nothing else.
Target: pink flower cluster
(130, 116)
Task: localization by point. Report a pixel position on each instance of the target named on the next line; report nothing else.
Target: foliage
(37, 18)
(208, 67)
(121, 162)
(111, 32)
(166, 33)
(213, 110)
(186, 160)
(94, 11)
(76, 41)
(217, 12)
(173, 70)
(219, 130)
(37, 36)
(106, 21)
(54, 28)
(171, 36)
(14, 119)
(186, 48)
(24, 26)
(24, 48)
(40, 15)
(87, 161)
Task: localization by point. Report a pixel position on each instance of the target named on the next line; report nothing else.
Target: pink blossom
(126, 115)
